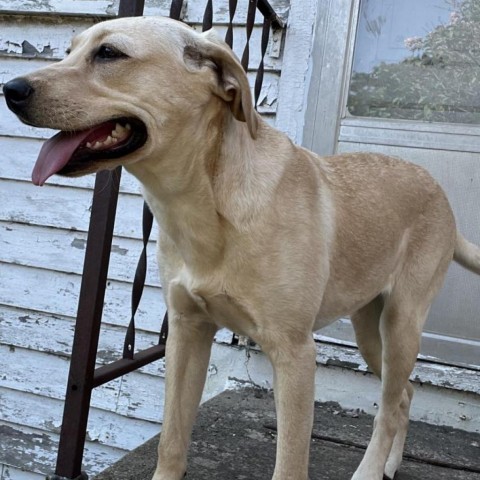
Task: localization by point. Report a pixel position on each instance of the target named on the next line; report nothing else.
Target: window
(417, 60)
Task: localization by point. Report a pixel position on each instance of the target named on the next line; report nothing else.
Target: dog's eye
(107, 52)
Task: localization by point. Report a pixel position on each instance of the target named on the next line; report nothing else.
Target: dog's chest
(224, 310)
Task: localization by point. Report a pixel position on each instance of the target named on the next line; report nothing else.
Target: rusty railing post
(89, 313)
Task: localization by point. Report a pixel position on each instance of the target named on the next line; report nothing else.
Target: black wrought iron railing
(83, 375)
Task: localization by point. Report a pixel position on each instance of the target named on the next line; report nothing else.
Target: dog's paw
(168, 476)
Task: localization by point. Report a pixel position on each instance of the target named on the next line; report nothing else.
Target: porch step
(234, 439)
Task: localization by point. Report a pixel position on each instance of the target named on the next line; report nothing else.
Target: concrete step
(234, 439)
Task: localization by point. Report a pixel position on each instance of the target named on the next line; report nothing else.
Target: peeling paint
(212, 370)
(112, 8)
(108, 356)
(79, 243)
(119, 250)
(26, 441)
(53, 426)
(13, 44)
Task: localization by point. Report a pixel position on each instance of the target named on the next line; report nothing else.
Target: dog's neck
(210, 180)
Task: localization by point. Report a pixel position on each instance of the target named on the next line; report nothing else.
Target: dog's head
(125, 91)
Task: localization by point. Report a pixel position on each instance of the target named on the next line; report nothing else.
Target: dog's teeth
(119, 131)
(119, 134)
(128, 126)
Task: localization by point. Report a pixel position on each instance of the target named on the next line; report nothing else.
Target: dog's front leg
(294, 377)
(188, 351)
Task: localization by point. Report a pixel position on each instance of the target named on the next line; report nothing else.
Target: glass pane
(417, 60)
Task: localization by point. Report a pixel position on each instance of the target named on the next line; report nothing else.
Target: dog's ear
(232, 83)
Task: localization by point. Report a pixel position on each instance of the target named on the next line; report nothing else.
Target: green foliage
(439, 82)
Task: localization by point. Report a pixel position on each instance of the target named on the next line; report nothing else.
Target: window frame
(328, 122)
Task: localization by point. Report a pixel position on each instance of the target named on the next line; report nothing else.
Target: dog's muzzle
(18, 93)
(74, 152)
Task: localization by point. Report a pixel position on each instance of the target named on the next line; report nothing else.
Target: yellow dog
(257, 234)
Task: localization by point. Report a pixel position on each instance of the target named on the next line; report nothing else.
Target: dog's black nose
(17, 92)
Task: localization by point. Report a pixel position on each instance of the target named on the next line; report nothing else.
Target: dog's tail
(467, 254)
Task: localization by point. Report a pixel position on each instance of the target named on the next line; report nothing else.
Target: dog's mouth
(75, 153)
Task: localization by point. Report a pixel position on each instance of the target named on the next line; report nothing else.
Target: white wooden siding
(42, 245)
(99, 8)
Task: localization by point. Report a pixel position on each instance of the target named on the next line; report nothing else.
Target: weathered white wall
(42, 244)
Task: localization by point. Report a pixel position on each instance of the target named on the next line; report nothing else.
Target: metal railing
(83, 376)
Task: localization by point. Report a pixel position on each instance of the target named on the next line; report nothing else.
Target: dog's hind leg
(396, 453)
(401, 322)
(400, 337)
(366, 323)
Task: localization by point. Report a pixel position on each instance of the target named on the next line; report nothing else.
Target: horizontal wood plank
(14, 473)
(64, 251)
(32, 36)
(61, 7)
(18, 156)
(53, 334)
(57, 294)
(106, 428)
(11, 126)
(63, 207)
(135, 395)
(36, 451)
(29, 329)
(11, 67)
(49, 37)
(46, 375)
(193, 13)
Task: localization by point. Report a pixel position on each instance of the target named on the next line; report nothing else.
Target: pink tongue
(56, 153)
